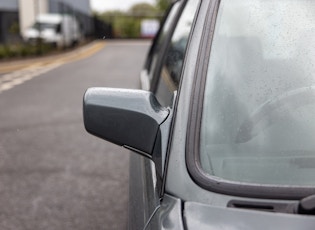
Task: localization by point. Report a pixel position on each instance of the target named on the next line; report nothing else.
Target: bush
(127, 27)
(23, 50)
(4, 52)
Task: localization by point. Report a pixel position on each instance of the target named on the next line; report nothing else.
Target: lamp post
(62, 23)
(36, 12)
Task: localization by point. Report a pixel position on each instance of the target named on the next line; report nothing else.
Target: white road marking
(10, 80)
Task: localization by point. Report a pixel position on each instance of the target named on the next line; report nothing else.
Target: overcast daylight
(157, 114)
(101, 5)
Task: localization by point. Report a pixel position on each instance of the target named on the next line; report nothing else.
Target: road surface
(54, 175)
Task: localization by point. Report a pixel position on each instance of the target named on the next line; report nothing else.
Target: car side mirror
(129, 118)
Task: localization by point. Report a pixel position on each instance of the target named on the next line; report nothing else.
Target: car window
(259, 106)
(173, 61)
(160, 40)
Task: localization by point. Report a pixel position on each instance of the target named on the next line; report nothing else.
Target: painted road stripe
(81, 52)
(24, 75)
(10, 80)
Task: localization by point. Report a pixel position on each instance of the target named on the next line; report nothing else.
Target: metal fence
(9, 27)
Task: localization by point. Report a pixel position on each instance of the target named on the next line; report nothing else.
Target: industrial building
(18, 15)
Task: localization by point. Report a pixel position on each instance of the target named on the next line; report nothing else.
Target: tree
(162, 5)
(127, 24)
(109, 16)
(143, 10)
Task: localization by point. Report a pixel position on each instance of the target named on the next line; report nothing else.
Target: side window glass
(161, 38)
(175, 54)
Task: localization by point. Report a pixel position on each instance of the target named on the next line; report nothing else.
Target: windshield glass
(258, 121)
(45, 26)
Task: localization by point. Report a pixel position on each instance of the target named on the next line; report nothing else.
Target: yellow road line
(19, 75)
(81, 54)
(75, 55)
(10, 68)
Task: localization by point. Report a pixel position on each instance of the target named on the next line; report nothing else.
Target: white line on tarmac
(13, 79)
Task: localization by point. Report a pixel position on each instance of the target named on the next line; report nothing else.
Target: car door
(145, 177)
(166, 81)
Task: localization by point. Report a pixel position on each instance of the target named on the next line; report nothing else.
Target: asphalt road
(54, 175)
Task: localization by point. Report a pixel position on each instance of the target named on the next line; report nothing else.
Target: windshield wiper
(306, 206)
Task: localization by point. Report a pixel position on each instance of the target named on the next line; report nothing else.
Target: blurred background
(53, 174)
(32, 27)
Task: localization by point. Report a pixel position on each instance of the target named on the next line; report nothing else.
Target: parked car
(224, 136)
(57, 29)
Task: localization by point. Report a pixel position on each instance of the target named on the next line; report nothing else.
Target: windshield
(258, 121)
(45, 26)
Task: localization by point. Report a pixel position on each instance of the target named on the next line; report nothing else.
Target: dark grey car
(224, 138)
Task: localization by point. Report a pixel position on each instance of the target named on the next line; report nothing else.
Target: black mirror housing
(129, 118)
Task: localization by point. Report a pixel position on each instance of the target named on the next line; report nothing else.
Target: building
(18, 15)
(9, 21)
(29, 9)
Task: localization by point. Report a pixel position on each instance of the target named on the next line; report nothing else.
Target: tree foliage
(162, 5)
(127, 24)
(109, 16)
(143, 10)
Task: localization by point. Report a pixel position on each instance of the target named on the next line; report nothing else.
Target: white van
(57, 29)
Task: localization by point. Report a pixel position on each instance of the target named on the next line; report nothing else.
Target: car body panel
(178, 181)
(143, 191)
(168, 216)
